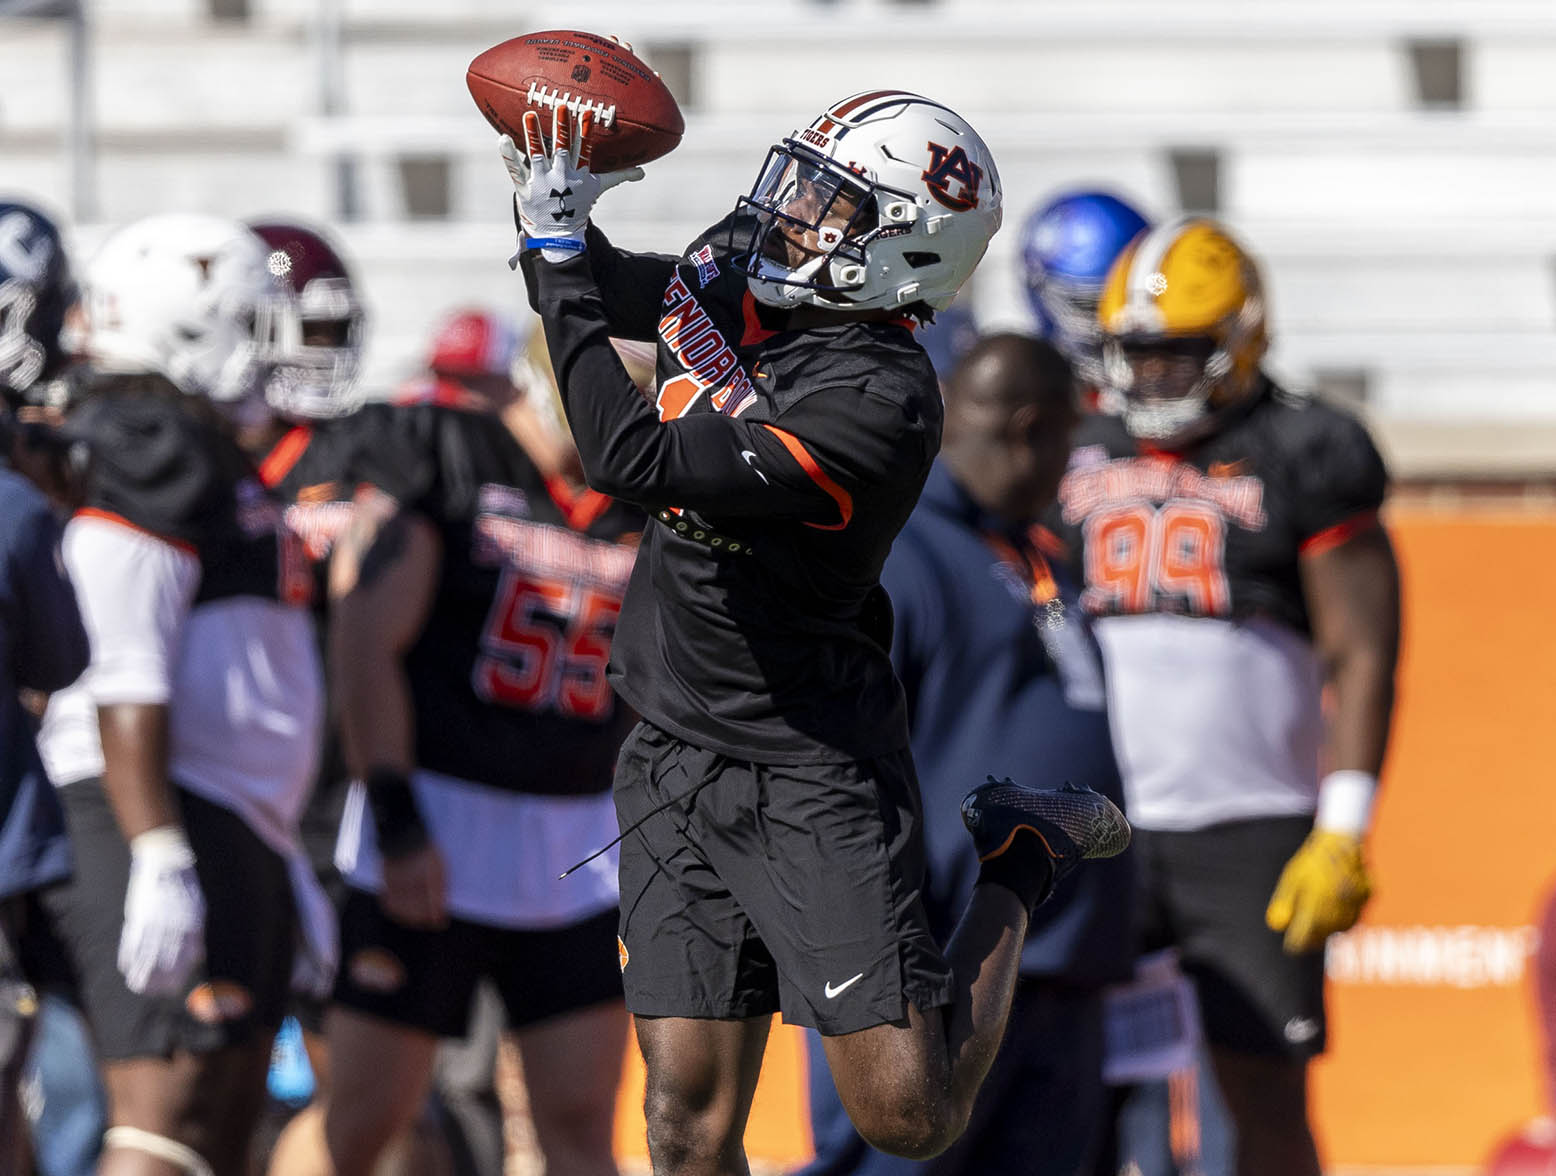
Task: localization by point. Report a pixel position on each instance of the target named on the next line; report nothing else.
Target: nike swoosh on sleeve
(751, 461)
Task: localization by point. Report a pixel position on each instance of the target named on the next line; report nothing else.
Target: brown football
(635, 117)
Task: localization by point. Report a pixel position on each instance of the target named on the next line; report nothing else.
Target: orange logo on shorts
(621, 953)
(219, 1000)
(376, 970)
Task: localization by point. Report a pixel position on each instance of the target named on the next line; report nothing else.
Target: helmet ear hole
(918, 259)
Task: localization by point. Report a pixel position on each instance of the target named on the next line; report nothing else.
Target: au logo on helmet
(951, 164)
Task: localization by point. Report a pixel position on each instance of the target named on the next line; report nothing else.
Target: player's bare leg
(205, 1103)
(572, 1067)
(379, 1077)
(1267, 1098)
(909, 1087)
(701, 1080)
(300, 1149)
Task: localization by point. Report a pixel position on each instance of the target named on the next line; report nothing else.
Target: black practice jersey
(311, 470)
(779, 465)
(508, 678)
(161, 465)
(1216, 529)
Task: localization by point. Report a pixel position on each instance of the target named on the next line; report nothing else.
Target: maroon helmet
(313, 336)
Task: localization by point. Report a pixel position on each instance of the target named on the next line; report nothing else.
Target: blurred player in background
(1001, 672)
(476, 356)
(773, 855)
(1232, 549)
(476, 596)
(40, 630)
(37, 291)
(65, 1104)
(1068, 244)
(185, 753)
(311, 339)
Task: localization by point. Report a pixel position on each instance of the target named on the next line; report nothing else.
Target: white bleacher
(1414, 247)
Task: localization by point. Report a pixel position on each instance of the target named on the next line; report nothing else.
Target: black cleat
(1071, 823)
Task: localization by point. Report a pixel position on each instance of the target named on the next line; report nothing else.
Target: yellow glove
(1322, 890)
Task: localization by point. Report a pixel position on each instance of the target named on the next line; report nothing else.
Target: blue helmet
(1067, 247)
(35, 292)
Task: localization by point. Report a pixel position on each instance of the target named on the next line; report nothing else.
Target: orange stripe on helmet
(854, 103)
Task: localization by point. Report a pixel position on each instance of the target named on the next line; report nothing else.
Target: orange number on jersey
(1117, 551)
(676, 396)
(1190, 558)
(545, 646)
(1137, 554)
(585, 691)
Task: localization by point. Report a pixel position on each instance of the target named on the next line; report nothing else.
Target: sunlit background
(1392, 164)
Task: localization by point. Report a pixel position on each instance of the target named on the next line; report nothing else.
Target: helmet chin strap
(774, 285)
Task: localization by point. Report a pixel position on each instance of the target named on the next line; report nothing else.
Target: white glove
(555, 193)
(164, 914)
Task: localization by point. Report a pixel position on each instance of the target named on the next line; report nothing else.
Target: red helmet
(468, 344)
(474, 343)
(313, 335)
(1528, 1151)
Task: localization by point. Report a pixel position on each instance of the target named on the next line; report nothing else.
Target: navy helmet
(36, 290)
(1067, 246)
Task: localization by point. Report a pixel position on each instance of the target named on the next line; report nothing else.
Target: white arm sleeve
(135, 590)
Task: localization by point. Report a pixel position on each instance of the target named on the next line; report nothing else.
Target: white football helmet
(886, 200)
(179, 295)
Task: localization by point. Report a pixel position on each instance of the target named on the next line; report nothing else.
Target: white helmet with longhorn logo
(180, 295)
(886, 200)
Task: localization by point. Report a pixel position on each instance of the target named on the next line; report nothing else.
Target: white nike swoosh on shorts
(834, 993)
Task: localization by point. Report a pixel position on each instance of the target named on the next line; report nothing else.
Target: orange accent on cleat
(1004, 845)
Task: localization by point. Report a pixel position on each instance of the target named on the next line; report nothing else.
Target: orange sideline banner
(1433, 1046)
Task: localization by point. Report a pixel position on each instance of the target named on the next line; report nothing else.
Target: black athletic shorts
(1205, 892)
(240, 989)
(759, 888)
(427, 979)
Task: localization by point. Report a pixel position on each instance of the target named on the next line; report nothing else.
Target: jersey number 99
(1142, 558)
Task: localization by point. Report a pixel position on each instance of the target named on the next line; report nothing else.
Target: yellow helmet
(1184, 293)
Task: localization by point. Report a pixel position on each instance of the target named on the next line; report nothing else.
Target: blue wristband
(571, 244)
